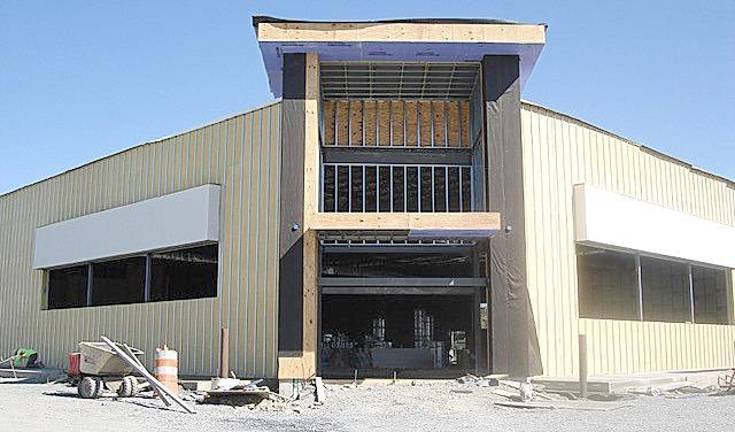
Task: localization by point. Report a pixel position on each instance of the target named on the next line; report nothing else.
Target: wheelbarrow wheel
(89, 387)
(128, 387)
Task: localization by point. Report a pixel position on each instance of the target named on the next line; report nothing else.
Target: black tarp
(515, 347)
(291, 249)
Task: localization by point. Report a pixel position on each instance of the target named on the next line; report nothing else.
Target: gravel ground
(438, 406)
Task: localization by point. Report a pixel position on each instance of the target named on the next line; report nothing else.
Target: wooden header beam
(402, 32)
(475, 221)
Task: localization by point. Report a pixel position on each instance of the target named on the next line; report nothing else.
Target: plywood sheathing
(328, 122)
(342, 126)
(411, 110)
(464, 110)
(397, 122)
(425, 124)
(439, 125)
(384, 123)
(370, 109)
(356, 123)
(453, 123)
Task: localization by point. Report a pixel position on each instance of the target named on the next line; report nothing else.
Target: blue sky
(82, 79)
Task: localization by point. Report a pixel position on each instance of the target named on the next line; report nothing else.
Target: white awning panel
(187, 217)
(607, 218)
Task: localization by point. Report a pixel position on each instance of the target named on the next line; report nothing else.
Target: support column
(515, 347)
(298, 244)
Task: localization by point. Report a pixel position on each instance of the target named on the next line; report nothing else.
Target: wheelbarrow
(96, 364)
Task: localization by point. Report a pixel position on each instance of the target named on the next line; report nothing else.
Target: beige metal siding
(240, 153)
(559, 152)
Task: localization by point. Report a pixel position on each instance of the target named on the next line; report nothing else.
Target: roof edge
(262, 19)
(661, 155)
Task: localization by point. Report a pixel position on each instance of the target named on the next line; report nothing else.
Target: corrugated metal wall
(242, 154)
(560, 152)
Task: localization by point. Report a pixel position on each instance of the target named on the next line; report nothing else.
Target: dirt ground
(442, 406)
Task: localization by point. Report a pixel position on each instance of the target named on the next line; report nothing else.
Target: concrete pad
(621, 383)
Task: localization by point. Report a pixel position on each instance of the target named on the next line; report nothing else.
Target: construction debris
(526, 391)
(580, 405)
(727, 381)
(488, 381)
(135, 364)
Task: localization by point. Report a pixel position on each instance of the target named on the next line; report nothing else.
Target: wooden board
(328, 122)
(397, 123)
(411, 108)
(406, 221)
(371, 115)
(464, 108)
(402, 32)
(356, 123)
(425, 123)
(384, 123)
(453, 123)
(439, 125)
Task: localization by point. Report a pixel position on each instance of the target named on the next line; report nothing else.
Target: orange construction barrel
(167, 368)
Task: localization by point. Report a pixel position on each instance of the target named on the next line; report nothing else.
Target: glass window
(184, 274)
(710, 295)
(608, 284)
(356, 264)
(118, 282)
(67, 288)
(665, 290)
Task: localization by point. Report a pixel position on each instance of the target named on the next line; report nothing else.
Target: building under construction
(397, 208)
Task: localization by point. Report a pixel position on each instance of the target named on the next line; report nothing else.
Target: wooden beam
(402, 32)
(406, 221)
(398, 290)
(402, 282)
(311, 141)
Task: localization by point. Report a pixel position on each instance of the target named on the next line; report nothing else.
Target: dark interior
(348, 336)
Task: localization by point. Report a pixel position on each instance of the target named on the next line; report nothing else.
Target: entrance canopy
(412, 40)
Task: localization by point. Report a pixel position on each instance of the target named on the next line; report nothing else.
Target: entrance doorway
(415, 336)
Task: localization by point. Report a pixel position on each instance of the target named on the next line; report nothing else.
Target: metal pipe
(377, 188)
(691, 294)
(639, 275)
(446, 189)
(433, 192)
(390, 186)
(405, 189)
(336, 188)
(582, 366)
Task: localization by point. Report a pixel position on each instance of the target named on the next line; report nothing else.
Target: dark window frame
(691, 267)
(147, 277)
